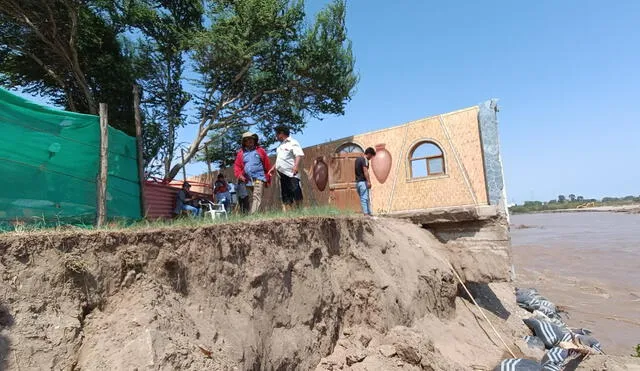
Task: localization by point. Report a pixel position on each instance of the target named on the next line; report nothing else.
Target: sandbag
(589, 341)
(534, 342)
(549, 333)
(555, 355)
(518, 364)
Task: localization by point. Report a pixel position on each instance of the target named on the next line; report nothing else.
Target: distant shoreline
(627, 209)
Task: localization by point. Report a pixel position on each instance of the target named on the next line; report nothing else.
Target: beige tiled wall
(462, 153)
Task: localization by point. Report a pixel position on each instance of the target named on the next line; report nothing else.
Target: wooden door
(342, 185)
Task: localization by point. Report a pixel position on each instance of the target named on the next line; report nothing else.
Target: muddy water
(590, 264)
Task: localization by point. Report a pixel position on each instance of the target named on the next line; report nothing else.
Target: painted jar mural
(381, 163)
(320, 173)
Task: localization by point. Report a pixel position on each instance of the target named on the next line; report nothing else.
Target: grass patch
(40, 224)
(234, 218)
(637, 351)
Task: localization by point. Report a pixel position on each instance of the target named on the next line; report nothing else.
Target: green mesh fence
(50, 161)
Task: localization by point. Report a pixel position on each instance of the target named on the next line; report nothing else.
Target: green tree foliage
(254, 64)
(222, 148)
(66, 50)
(259, 65)
(166, 27)
(562, 199)
(572, 197)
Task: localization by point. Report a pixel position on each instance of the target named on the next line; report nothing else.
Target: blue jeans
(365, 202)
(194, 210)
(225, 199)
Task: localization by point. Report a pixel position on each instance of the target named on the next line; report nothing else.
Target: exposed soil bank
(325, 293)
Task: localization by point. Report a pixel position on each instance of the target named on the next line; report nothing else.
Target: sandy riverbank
(628, 209)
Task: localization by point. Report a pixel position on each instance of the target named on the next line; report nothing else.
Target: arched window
(349, 148)
(427, 159)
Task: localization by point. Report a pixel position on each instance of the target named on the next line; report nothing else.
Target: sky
(566, 73)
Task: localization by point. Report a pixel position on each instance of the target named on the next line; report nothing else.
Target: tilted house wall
(463, 138)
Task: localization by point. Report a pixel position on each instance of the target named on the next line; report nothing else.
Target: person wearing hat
(182, 201)
(252, 169)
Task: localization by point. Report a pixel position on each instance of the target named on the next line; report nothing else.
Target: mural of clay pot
(320, 173)
(381, 163)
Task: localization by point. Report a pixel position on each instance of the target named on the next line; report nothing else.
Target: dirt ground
(302, 294)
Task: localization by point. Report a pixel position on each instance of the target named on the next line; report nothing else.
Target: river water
(588, 263)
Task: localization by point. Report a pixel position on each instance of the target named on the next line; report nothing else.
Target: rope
(398, 162)
(481, 311)
(457, 157)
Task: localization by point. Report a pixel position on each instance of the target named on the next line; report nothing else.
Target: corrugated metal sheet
(160, 199)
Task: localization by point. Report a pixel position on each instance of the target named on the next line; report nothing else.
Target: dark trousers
(290, 189)
(245, 204)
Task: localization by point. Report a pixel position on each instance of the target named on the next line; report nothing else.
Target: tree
(66, 50)
(258, 65)
(221, 150)
(166, 27)
(562, 199)
(554, 201)
(572, 197)
(580, 199)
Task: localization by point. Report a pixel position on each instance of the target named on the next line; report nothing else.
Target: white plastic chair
(215, 210)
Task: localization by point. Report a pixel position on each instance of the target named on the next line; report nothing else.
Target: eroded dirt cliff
(302, 294)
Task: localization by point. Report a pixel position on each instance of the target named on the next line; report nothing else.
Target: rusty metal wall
(160, 199)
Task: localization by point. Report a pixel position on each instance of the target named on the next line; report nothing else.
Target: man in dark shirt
(363, 181)
(183, 198)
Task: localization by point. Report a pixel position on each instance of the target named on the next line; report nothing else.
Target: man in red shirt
(221, 192)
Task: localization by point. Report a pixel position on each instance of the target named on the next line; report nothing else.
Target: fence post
(102, 175)
(138, 119)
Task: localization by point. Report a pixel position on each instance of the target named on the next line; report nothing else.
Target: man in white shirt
(289, 156)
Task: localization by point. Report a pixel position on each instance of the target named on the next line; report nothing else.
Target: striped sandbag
(554, 318)
(543, 305)
(534, 342)
(555, 355)
(524, 298)
(581, 331)
(551, 367)
(518, 364)
(589, 341)
(526, 295)
(549, 333)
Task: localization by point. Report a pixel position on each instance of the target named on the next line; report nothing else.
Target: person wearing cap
(182, 201)
(252, 169)
(289, 156)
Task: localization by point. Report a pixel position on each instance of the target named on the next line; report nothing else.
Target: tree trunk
(193, 150)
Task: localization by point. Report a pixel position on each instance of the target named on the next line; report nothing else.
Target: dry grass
(40, 225)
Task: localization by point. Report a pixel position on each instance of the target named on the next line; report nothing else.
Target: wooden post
(210, 176)
(138, 119)
(184, 166)
(102, 175)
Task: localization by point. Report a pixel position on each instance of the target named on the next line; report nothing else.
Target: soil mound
(303, 294)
